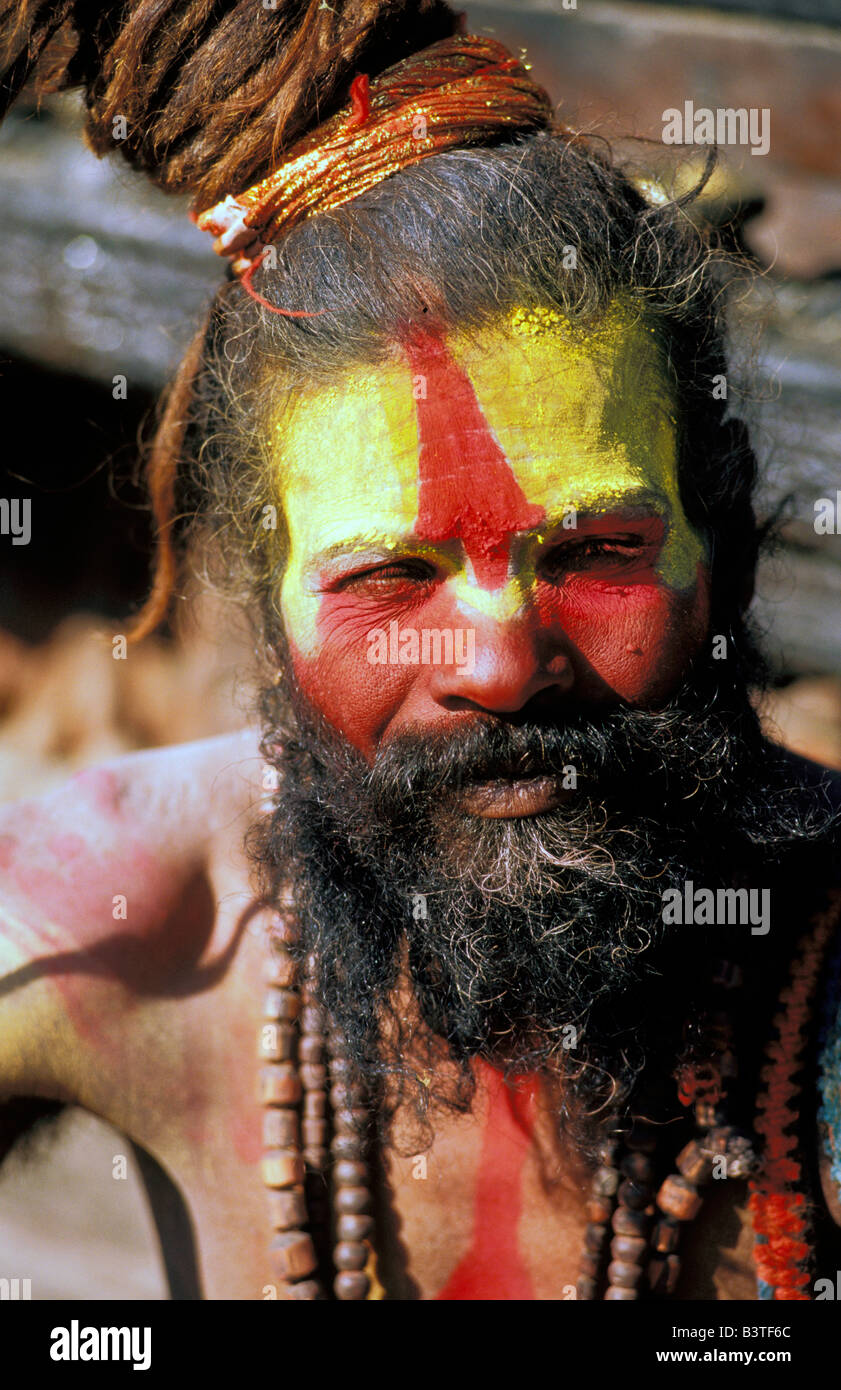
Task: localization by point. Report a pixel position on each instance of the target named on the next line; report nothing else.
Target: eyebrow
(361, 547)
(635, 502)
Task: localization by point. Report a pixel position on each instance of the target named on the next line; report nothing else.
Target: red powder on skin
(60, 881)
(66, 846)
(245, 1132)
(493, 1268)
(466, 487)
(625, 632)
(658, 627)
(608, 584)
(103, 787)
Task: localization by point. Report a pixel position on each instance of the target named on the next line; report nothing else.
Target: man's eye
(387, 577)
(576, 555)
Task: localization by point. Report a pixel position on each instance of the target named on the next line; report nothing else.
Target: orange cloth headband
(460, 91)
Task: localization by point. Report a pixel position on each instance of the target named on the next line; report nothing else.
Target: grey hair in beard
(518, 936)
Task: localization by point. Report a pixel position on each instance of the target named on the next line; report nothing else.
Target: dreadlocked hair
(212, 94)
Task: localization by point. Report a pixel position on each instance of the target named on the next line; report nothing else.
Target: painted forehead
(583, 416)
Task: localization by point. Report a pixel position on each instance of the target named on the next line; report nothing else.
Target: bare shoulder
(92, 874)
(145, 820)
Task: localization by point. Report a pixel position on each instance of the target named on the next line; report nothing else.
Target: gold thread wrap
(462, 91)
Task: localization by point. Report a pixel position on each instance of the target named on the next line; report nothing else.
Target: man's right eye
(387, 578)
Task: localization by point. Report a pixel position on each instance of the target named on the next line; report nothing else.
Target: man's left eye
(576, 555)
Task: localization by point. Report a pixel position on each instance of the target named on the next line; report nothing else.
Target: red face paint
(466, 487)
(493, 1267)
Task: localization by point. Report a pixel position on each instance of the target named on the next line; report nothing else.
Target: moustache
(608, 752)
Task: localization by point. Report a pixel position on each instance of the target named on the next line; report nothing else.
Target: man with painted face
(548, 926)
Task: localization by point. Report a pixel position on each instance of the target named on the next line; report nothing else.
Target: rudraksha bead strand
(632, 1217)
(702, 1083)
(315, 1124)
(312, 1056)
(600, 1205)
(292, 1253)
(632, 1222)
(352, 1197)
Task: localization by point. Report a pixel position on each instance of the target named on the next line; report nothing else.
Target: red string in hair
(360, 96)
(245, 280)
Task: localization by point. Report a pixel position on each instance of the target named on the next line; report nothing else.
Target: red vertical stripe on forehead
(466, 487)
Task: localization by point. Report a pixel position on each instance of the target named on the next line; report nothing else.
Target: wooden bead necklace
(646, 1218)
(296, 1159)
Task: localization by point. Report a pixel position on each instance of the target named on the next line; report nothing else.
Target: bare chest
(477, 1215)
(481, 1213)
(446, 1238)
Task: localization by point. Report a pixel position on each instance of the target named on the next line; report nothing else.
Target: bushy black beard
(537, 942)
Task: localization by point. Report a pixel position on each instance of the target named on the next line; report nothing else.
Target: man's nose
(514, 661)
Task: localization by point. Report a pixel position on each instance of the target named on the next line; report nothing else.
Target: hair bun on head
(210, 94)
(461, 91)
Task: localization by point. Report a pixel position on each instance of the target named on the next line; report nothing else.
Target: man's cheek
(354, 693)
(344, 624)
(636, 638)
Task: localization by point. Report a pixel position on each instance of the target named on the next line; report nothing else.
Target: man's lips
(506, 797)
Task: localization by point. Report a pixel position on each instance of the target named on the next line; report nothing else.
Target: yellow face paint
(348, 485)
(586, 418)
(583, 416)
